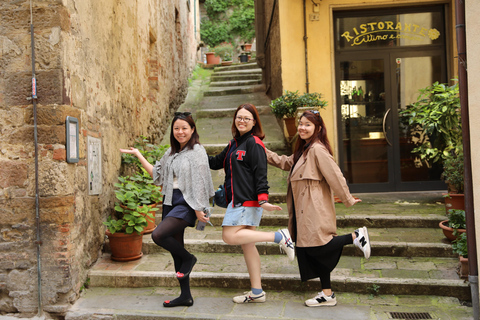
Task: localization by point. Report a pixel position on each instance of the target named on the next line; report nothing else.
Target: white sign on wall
(94, 165)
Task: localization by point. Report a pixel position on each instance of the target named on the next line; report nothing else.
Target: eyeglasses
(182, 114)
(240, 119)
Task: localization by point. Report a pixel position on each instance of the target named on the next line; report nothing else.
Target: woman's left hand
(201, 216)
(270, 207)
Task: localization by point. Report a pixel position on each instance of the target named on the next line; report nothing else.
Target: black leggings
(169, 235)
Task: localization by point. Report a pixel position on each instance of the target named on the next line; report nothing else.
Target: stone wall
(120, 67)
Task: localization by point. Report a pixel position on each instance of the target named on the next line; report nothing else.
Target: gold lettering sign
(388, 30)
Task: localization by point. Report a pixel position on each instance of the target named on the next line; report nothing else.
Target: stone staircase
(236, 79)
(410, 255)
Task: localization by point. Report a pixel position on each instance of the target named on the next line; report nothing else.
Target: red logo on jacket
(240, 154)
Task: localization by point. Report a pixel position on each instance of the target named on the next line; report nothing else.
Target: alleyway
(412, 269)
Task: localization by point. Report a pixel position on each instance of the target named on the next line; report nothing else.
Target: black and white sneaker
(322, 300)
(363, 241)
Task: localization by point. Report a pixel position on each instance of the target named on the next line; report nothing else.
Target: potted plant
(460, 247)
(453, 175)
(436, 114)
(137, 197)
(454, 225)
(225, 52)
(285, 107)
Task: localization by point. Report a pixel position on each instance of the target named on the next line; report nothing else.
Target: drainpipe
(38, 241)
(469, 210)
(307, 84)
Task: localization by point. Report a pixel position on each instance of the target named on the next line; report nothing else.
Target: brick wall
(120, 68)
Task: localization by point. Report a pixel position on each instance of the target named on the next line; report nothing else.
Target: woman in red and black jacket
(246, 188)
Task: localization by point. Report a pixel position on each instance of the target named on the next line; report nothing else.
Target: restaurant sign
(388, 31)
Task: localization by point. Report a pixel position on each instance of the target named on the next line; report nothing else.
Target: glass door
(364, 109)
(411, 74)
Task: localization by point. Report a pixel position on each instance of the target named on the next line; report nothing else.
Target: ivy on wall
(227, 20)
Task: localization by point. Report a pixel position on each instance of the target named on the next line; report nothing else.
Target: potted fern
(460, 247)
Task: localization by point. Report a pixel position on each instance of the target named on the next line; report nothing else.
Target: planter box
(212, 59)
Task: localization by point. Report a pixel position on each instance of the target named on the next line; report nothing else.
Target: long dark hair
(257, 128)
(194, 139)
(320, 134)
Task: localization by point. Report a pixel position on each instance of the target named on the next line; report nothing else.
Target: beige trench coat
(314, 180)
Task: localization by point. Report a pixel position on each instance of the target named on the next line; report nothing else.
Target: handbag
(220, 199)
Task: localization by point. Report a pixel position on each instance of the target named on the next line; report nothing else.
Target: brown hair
(257, 128)
(194, 139)
(320, 134)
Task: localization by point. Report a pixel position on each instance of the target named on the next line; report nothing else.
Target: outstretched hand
(270, 207)
(357, 201)
(130, 151)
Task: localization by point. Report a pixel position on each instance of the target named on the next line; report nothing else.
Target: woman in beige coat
(313, 180)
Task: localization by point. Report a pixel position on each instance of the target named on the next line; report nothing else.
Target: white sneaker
(286, 244)
(363, 241)
(322, 300)
(248, 296)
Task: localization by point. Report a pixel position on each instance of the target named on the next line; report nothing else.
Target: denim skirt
(242, 216)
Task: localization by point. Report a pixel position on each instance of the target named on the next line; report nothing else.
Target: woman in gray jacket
(314, 178)
(187, 184)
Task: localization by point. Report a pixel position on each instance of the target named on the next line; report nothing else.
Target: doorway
(378, 74)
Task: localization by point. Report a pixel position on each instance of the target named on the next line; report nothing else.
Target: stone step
(234, 83)
(227, 112)
(251, 72)
(243, 66)
(389, 275)
(101, 303)
(248, 76)
(391, 242)
(234, 90)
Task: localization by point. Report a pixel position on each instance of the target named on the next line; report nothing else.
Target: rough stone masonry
(120, 67)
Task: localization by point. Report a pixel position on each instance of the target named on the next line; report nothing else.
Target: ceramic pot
(454, 201)
(291, 126)
(125, 247)
(211, 58)
(463, 270)
(448, 232)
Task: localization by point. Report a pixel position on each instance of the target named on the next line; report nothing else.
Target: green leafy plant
(287, 104)
(436, 113)
(136, 194)
(214, 32)
(456, 219)
(151, 152)
(227, 20)
(436, 116)
(459, 245)
(453, 172)
(224, 51)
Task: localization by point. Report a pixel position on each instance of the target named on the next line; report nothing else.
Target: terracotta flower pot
(448, 232)
(454, 201)
(291, 127)
(125, 247)
(463, 271)
(211, 58)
